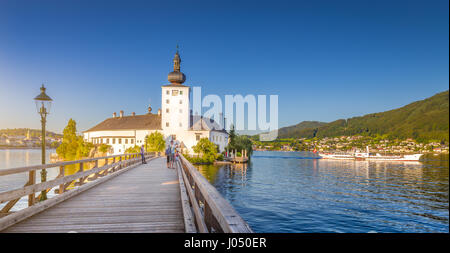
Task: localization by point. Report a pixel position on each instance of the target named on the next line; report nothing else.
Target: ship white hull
(366, 157)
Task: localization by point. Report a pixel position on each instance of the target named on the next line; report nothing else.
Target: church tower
(175, 101)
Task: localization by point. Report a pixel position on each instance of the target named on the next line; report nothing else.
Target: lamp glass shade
(43, 102)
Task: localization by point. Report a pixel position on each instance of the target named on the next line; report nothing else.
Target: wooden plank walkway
(143, 199)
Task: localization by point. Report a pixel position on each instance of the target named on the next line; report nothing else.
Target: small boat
(367, 156)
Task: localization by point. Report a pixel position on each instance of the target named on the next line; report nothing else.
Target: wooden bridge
(119, 194)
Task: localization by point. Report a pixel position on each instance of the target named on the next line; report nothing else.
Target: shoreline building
(174, 120)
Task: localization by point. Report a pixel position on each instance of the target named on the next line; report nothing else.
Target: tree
(104, 148)
(132, 150)
(155, 142)
(232, 136)
(73, 147)
(206, 149)
(241, 142)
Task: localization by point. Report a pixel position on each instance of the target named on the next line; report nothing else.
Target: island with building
(174, 120)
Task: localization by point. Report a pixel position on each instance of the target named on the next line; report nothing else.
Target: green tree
(241, 142)
(232, 136)
(206, 149)
(132, 150)
(104, 148)
(73, 147)
(156, 142)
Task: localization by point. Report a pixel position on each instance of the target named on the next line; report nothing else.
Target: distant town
(27, 138)
(31, 138)
(347, 143)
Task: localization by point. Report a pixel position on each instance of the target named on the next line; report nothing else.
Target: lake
(12, 158)
(291, 192)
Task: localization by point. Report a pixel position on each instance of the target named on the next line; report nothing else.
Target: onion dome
(176, 77)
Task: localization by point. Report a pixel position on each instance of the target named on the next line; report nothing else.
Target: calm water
(290, 192)
(12, 158)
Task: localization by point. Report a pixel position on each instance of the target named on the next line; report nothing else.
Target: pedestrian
(172, 153)
(142, 154)
(177, 156)
(168, 155)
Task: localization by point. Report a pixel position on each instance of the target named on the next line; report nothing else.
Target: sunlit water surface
(13, 158)
(291, 192)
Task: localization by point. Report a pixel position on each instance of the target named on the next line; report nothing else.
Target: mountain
(422, 120)
(298, 130)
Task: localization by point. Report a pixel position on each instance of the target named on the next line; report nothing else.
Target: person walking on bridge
(142, 154)
(168, 155)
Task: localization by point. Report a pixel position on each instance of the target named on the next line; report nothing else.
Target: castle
(174, 120)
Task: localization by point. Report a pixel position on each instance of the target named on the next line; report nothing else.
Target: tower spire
(177, 61)
(176, 77)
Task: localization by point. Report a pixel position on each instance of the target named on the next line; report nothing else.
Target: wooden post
(31, 181)
(61, 174)
(81, 170)
(96, 166)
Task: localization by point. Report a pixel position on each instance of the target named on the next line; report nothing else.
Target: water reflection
(293, 192)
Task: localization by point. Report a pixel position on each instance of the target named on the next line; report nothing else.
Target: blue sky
(325, 59)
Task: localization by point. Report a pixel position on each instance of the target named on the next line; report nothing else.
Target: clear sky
(325, 59)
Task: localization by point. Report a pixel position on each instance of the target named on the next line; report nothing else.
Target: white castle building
(174, 120)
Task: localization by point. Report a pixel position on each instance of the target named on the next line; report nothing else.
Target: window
(132, 141)
(174, 92)
(181, 111)
(120, 141)
(107, 141)
(174, 137)
(167, 110)
(180, 124)
(167, 92)
(197, 137)
(113, 140)
(167, 101)
(126, 141)
(181, 92)
(167, 124)
(181, 101)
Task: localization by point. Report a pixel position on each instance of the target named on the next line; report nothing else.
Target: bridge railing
(204, 208)
(93, 169)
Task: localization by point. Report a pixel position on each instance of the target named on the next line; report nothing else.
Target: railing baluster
(32, 181)
(81, 170)
(62, 174)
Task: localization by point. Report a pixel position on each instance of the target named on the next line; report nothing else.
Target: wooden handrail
(51, 165)
(64, 181)
(212, 212)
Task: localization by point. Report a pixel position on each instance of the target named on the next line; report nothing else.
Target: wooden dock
(122, 196)
(144, 199)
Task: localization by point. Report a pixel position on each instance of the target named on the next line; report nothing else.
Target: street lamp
(43, 105)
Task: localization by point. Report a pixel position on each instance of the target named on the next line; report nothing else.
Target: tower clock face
(174, 92)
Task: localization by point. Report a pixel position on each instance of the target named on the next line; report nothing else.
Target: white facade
(173, 121)
(175, 109)
(119, 140)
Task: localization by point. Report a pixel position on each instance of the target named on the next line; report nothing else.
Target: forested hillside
(423, 120)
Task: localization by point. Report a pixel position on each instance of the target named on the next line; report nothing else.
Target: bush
(206, 149)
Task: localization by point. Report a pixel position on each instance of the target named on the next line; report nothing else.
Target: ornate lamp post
(43, 105)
